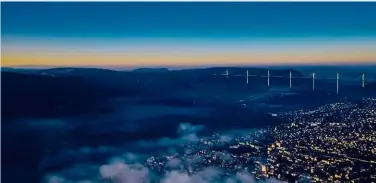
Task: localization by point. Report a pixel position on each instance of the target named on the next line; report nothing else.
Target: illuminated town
(332, 143)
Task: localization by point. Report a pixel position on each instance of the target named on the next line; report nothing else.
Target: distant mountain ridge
(62, 91)
(151, 70)
(211, 70)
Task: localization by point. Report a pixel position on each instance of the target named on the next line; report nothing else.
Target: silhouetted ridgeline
(72, 91)
(151, 70)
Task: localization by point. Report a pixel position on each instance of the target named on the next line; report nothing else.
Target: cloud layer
(128, 167)
(119, 172)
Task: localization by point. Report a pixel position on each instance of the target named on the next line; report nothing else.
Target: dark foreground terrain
(54, 118)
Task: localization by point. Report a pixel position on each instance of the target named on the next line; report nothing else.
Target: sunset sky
(187, 34)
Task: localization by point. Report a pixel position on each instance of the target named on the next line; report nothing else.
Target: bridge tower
(290, 79)
(337, 83)
(268, 78)
(363, 77)
(247, 76)
(313, 81)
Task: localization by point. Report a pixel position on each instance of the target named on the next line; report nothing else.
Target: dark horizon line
(178, 67)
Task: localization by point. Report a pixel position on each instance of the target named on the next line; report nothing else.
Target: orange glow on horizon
(184, 59)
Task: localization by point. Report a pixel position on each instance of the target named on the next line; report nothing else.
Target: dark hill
(47, 96)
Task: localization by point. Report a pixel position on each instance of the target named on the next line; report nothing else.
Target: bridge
(269, 76)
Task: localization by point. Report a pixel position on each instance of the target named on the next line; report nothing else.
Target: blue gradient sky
(151, 34)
